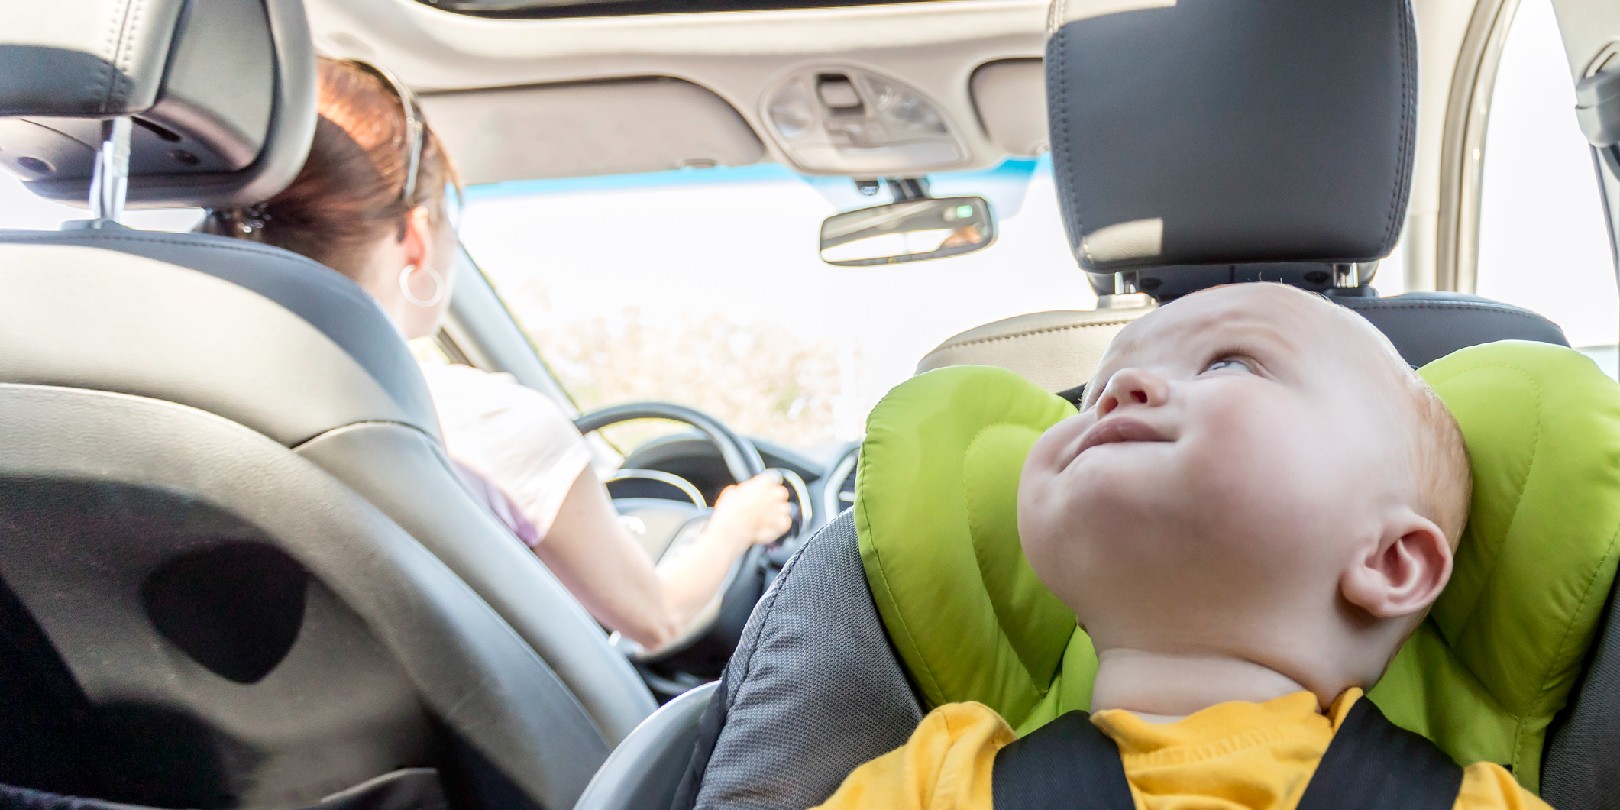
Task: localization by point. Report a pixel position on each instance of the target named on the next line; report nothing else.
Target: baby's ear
(1404, 573)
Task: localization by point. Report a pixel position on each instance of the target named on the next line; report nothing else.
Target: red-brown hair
(348, 194)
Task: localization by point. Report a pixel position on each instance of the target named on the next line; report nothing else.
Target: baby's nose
(1132, 386)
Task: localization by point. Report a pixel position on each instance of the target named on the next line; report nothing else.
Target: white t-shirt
(511, 435)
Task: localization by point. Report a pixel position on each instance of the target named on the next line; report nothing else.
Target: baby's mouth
(1118, 430)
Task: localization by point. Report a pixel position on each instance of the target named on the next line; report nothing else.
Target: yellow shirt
(1234, 755)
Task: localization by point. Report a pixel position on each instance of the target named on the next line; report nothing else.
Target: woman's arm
(591, 552)
(518, 439)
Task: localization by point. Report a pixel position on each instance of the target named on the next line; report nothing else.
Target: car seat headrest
(1483, 676)
(221, 94)
(1202, 132)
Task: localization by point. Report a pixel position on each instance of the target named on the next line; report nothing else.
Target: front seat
(1153, 175)
(1167, 167)
(234, 559)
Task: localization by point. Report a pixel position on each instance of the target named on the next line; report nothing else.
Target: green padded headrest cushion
(935, 510)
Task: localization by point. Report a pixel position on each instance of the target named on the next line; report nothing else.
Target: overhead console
(850, 121)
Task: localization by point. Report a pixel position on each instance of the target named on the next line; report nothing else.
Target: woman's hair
(349, 192)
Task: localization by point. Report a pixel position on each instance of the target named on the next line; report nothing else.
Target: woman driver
(376, 201)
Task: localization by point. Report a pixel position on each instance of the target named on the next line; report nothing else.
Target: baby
(1256, 505)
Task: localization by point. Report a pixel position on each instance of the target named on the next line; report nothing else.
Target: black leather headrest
(222, 93)
(1231, 132)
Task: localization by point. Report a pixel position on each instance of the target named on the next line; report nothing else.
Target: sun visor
(1198, 132)
(1010, 97)
(590, 128)
(221, 93)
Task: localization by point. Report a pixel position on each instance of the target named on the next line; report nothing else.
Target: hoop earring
(405, 286)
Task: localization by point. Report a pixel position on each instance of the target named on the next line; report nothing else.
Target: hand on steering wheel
(756, 511)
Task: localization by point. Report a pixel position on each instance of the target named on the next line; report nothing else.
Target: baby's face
(1221, 469)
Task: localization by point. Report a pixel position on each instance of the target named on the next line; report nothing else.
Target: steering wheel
(677, 522)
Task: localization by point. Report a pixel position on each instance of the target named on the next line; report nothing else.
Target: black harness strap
(1375, 763)
(1067, 759)
(1371, 762)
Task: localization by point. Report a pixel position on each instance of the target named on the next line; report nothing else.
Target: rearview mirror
(909, 231)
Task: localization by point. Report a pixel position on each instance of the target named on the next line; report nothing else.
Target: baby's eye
(1225, 363)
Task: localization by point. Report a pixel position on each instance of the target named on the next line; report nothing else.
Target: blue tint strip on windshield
(1010, 166)
(1015, 169)
(759, 173)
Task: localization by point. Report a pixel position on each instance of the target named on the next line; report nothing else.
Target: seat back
(1056, 350)
(1059, 351)
(646, 769)
(813, 690)
(284, 350)
(194, 616)
(300, 354)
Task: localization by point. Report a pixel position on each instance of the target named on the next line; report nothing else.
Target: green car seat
(1519, 663)
(1484, 676)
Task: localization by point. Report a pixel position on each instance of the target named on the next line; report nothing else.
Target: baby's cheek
(1043, 515)
(1033, 506)
(1255, 440)
(1235, 487)
(1050, 557)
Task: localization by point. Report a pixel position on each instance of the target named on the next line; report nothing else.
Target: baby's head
(1255, 473)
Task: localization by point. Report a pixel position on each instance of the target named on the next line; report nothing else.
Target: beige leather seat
(236, 567)
(1057, 350)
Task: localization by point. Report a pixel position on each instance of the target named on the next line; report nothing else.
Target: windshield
(704, 287)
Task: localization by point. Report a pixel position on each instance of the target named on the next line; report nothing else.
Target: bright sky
(745, 249)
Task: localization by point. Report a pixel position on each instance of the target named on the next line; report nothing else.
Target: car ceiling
(519, 99)
(533, 98)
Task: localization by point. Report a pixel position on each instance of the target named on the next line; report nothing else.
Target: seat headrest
(221, 93)
(265, 338)
(1204, 132)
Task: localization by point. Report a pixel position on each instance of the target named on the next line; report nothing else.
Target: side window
(1543, 243)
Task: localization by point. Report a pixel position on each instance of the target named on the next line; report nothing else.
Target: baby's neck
(1165, 687)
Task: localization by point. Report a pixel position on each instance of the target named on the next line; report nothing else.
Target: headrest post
(1126, 301)
(1346, 276)
(1125, 282)
(109, 186)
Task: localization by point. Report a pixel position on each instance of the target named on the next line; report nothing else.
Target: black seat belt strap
(1067, 760)
(1375, 763)
(1371, 762)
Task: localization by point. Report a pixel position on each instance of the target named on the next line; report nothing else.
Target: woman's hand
(597, 559)
(753, 512)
